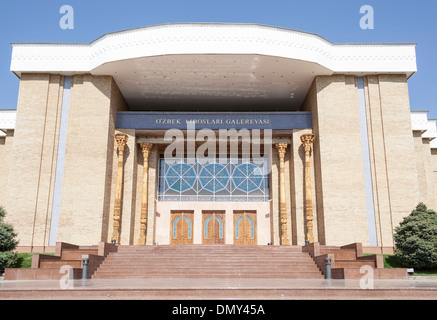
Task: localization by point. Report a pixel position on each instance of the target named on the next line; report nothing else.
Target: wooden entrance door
(213, 230)
(181, 228)
(245, 227)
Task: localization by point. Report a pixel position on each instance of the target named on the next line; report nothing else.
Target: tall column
(282, 147)
(145, 148)
(307, 141)
(121, 140)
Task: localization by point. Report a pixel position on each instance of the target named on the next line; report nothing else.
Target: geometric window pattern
(230, 180)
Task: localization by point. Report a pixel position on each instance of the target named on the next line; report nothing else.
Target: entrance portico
(233, 184)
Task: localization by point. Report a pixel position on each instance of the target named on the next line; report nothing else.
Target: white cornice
(431, 132)
(7, 119)
(419, 120)
(213, 38)
(427, 127)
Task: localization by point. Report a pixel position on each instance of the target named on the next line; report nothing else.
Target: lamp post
(85, 262)
(328, 268)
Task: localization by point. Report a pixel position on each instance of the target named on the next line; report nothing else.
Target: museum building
(286, 138)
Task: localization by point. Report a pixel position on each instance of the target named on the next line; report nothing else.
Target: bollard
(328, 268)
(85, 262)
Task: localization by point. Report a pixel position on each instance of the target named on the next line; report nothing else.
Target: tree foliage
(8, 242)
(416, 239)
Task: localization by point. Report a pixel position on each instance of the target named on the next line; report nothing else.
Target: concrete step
(353, 264)
(340, 254)
(60, 263)
(207, 254)
(39, 273)
(186, 264)
(195, 263)
(202, 268)
(200, 252)
(229, 259)
(208, 266)
(291, 275)
(208, 248)
(77, 254)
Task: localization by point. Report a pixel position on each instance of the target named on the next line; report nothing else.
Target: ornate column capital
(307, 141)
(282, 148)
(145, 149)
(121, 140)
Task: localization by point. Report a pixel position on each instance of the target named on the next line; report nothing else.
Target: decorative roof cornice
(213, 38)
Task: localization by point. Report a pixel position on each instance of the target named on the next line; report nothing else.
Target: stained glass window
(224, 180)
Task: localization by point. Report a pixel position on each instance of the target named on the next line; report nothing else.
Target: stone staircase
(199, 272)
(208, 261)
(347, 262)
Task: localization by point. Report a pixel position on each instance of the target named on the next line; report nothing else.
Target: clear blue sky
(335, 20)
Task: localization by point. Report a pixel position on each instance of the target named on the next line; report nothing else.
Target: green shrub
(7, 237)
(8, 242)
(8, 259)
(416, 239)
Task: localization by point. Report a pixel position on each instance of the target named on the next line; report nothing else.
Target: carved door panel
(181, 228)
(245, 227)
(213, 227)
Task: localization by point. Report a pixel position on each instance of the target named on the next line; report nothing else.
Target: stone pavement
(218, 289)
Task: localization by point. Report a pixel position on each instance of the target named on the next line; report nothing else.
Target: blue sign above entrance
(214, 120)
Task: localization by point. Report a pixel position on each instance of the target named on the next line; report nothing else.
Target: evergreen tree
(8, 242)
(416, 239)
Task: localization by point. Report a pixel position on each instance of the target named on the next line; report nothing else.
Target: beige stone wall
(427, 160)
(338, 161)
(5, 164)
(340, 194)
(393, 161)
(425, 178)
(430, 183)
(87, 182)
(434, 176)
(33, 160)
